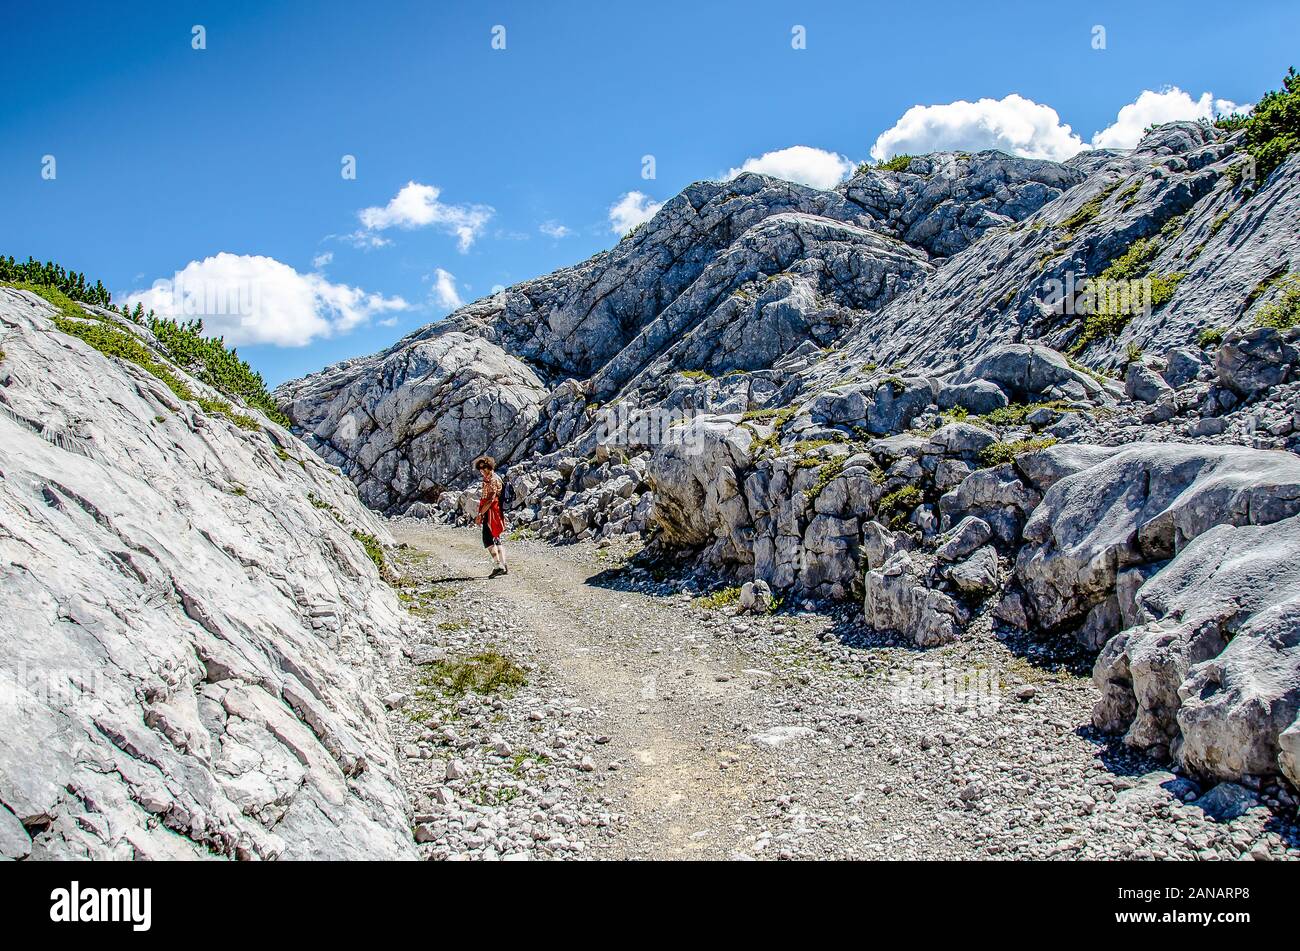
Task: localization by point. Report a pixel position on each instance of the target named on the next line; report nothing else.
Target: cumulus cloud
(630, 210)
(799, 163)
(444, 292)
(553, 229)
(1013, 124)
(417, 206)
(1171, 104)
(252, 299)
(1030, 129)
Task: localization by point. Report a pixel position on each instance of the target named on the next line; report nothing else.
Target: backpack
(507, 494)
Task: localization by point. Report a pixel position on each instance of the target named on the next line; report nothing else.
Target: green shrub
(1014, 414)
(71, 284)
(370, 543)
(899, 163)
(825, 476)
(777, 418)
(719, 599)
(997, 453)
(1273, 127)
(1284, 312)
(114, 342)
(222, 408)
(1133, 262)
(487, 672)
(208, 359)
(1231, 123)
(896, 506)
(1217, 225)
(1210, 337)
(1109, 317)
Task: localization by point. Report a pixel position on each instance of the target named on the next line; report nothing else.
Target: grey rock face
(828, 339)
(1208, 671)
(407, 424)
(190, 636)
(1140, 505)
(946, 200)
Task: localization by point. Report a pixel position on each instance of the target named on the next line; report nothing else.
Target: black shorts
(488, 538)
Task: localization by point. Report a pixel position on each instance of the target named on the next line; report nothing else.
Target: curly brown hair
(485, 462)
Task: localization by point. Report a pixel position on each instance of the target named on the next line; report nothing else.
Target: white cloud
(321, 260)
(799, 163)
(443, 292)
(363, 239)
(417, 206)
(1013, 124)
(630, 210)
(553, 229)
(1153, 108)
(252, 299)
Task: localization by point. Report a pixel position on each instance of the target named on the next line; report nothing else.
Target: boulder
(969, 534)
(995, 495)
(755, 597)
(1251, 362)
(1183, 365)
(1029, 373)
(897, 599)
(695, 476)
(976, 396)
(1228, 801)
(882, 407)
(1143, 384)
(978, 575)
(960, 439)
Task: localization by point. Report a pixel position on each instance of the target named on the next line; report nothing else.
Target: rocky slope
(191, 635)
(895, 393)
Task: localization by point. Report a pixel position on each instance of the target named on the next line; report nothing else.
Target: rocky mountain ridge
(892, 392)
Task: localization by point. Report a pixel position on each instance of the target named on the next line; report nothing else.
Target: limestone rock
(897, 599)
(196, 632)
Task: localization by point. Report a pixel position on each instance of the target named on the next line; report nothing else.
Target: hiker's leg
(501, 554)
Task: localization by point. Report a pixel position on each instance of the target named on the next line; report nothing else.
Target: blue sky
(166, 155)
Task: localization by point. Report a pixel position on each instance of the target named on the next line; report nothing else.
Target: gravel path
(650, 727)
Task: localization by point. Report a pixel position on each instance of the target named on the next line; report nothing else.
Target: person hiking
(489, 514)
